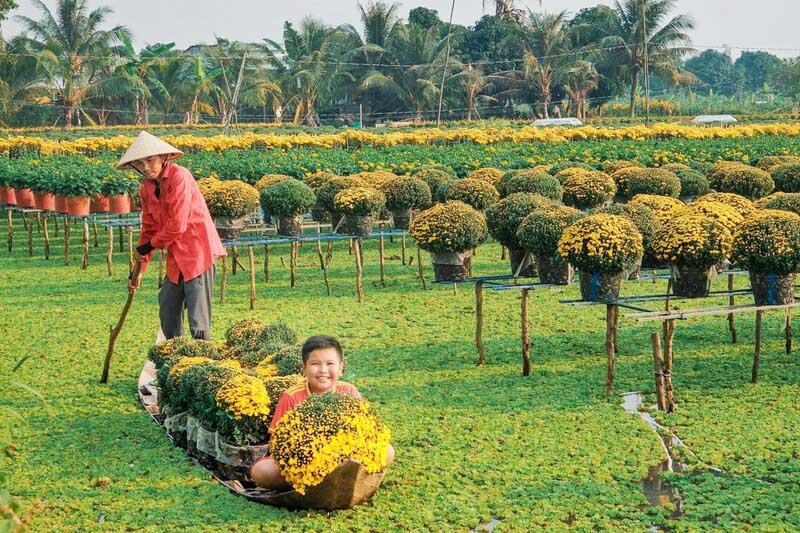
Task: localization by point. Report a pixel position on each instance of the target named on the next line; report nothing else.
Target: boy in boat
(323, 364)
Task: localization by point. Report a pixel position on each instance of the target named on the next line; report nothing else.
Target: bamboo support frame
(669, 357)
(420, 270)
(612, 312)
(10, 229)
(46, 238)
(266, 263)
(252, 263)
(96, 235)
(355, 244)
(403, 249)
(658, 370)
(38, 221)
(788, 330)
(293, 265)
(30, 236)
(526, 342)
(234, 259)
(55, 226)
(731, 302)
(382, 259)
(324, 268)
(110, 252)
(85, 242)
(479, 323)
(66, 241)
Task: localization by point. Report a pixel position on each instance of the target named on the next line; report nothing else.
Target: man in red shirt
(175, 217)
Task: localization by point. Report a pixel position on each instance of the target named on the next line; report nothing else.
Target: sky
(766, 24)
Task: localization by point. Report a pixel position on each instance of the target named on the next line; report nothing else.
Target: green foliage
(437, 181)
(540, 231)
(563, 165)
(632, 181)
(504, 217)
(243, 335)
(289, 360)
(587, 190)
(743, 180)
(273, 337)
(768, 243)
(789, 201)
(167, 353)
(196, 391)
(539, 183)
(406, 193)
(693, 182)
(642, 217)
(477, 193)
(787, 177)
(328, 191)
(289, 198)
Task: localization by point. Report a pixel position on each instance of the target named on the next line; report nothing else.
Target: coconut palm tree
(20, 79)
(667, 41)
(69, 44)
(578, 81)
(473, 85)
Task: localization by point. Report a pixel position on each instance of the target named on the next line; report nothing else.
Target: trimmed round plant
(768, 243)
(601, 243)
(539, 183)
(789, 201)
(663, 207)
(487, 174)
(479, 194)
(437, 180)
(787, 177)
(722, 213)
(449, 227)
(744, 206)
(271, 179)
(328, 190)
(694, 240)
(657, 181)
(587, 190)
(288, 198)
(744, 180)
(359, 201)
(406, 193)
(540, 231)
(504, 217)
(231, 198)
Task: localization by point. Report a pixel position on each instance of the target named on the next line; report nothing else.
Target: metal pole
(446, 60)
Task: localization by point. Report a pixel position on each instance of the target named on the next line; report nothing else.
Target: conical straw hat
(147, 145)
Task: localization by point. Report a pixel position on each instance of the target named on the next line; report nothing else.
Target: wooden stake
(224, 280)
(96, 236)
(251, 261)
(455, 289)
(30, 237)
(234, 259)
(419, 268)
(55, 225)
(381, 258)
(10, 229)
(403, 248)
(788, 328)
(669, 334)
(658, 369)
(329, 254)
(757, 354)
(114, 330)
(38, 221)
(526, 343)
(66, 241)
(324, 268)
(479, 323)
(359, 269)
(731, 301)
(503, 253)
(160, 268)
(46, 238)
(110, 251)
(611, 312)
(85, 256)
(293, 264)
(121, 241)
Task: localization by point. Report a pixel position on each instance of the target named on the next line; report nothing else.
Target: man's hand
(139, 258)
(134, 283)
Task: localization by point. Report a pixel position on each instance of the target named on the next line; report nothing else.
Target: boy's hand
(134, 283)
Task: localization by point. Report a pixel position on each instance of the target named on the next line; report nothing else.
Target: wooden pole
(160, 268)
(46, 238)
(757, 354)
(266, 263)
(251, 261)
(479, 323)
(359, 269)
(731, 301)
(329, 254)
(30, 238)
(10, 229)
(382, 257)
(293, 264)
(234, 259)
(658, 369)
(121, 241)
(85, 256)
(503, 253)
(38, 221)
(130, 247)
(110, 251)
(403, 249)
(526, 342)
(419, 268)
(224, 280)
(66, 241)
(324, 268)
(669, 334)
(114, 330)
(611, 311)
(55, 225)
(96, 236)
(788, 329)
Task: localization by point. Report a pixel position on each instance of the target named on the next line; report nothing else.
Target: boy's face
(150, 167)
(323, 368)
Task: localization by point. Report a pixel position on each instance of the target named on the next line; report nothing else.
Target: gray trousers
(194, 296)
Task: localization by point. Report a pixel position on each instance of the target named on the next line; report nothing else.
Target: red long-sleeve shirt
(179, 221)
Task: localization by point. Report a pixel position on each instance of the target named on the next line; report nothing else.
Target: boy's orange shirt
(296, 395)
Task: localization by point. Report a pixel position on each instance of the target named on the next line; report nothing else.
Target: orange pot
(120, 204)
(46, 201)
(78, 206)
(61, 203)
(99, 204)
(25, 198)
(8, 196)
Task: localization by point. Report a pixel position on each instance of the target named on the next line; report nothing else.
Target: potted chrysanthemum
(588, 189)
(360, 206)
(229, 203)
(479, 194)
(450, 232)
(539, 233)
(503, 220)
(603, 248)
(692, 243)
(328, 191)
(768, 246)
(288, 200)
(403, 195)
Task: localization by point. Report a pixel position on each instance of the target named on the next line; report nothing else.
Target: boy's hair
(320, 342)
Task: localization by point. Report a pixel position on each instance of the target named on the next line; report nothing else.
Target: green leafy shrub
(274, 337)
(487, 174)
(289, 360)
(504, 217)
(563, 165)
(769, 162)
(169, 351)
(786, 177)
(318, 179)
(328, 191)
(479, 194)
(642, 217)
(632, 181)
(539, 183)
(360, 201)
(743, 180)
(609, 167)
(448, 227)
(540, 231)
(768, 243)
(693, 182)
(406, 193)
(244, 334)
(271, 179)
(437, 181)
(288, 198)
(789, 201)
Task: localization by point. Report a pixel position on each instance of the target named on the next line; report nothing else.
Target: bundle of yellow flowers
(327, 192)
(206, 185)
(744, 206)
(609, 167)
(244, 409)
(232, 198)
(375, 178)
(479, 194)
(271, 179)
(601, 243)
(747, 181)
(359, 201)
(489, 174)
(769, 162)
(664, 207)
(768, 243)
(317, 179)
(313, 439)
(658, 181)
(587, 189)
(722, 213)
(694, 240)
(449, 227)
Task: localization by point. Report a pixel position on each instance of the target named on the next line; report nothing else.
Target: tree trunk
(69, 111)
(634, 86)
